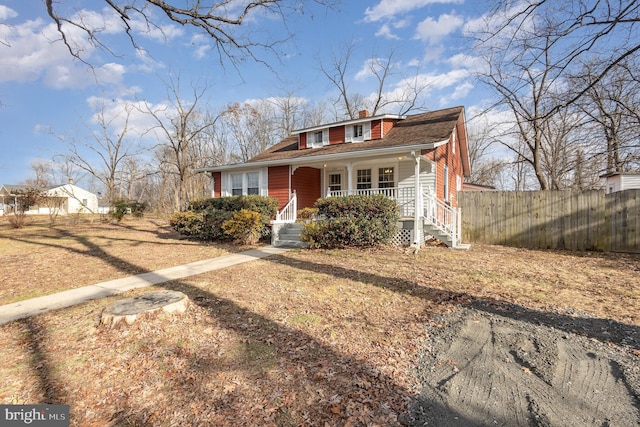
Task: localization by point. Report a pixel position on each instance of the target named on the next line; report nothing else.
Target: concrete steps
(287, 235)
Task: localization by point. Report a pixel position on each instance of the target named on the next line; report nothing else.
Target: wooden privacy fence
(572, 220)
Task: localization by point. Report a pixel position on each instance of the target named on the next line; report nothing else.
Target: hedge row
(205, 218)
(353, 221)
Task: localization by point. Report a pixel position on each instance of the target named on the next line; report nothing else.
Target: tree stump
(129, 309)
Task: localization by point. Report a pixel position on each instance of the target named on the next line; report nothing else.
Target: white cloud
(146, 64)
(385, 32)
(115, 112)
(433, 84)
(459, 92)
(434, 53)
(34, 51)
(390, 8)
(365, 71)
(492, 23)
(432, 31)
(463, 60)
(7, 13)
(160, 33)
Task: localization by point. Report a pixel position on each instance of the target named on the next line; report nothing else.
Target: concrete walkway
(31, 307)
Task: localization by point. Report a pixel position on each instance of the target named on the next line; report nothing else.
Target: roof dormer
(348, 131)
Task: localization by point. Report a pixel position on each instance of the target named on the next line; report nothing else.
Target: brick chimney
(363, 113)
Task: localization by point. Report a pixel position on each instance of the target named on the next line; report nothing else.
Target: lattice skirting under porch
(404, 237)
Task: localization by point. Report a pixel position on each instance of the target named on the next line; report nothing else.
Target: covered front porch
(421, 213)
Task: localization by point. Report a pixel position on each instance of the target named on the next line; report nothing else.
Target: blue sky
(44, 91)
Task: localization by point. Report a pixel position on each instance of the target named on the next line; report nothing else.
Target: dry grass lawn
(305, 338)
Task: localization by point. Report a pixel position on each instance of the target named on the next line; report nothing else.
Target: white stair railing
(442, 216)
(290, 212)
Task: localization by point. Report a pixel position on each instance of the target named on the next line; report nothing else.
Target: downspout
(416, 190)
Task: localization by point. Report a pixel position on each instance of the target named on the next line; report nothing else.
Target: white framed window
(386, 178)
(357, 133)
(335, 182)
(318, 139)
(236, 184)
(253, 183)
(363, 177)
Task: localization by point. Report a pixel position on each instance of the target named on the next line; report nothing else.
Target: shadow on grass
(352, 388)
(48, 384)
(606, 330)
(350, 375)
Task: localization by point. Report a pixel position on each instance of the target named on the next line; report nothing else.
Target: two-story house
(419, 160)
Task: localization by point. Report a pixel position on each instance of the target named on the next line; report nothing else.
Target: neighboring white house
(620, 181)
(67, 199)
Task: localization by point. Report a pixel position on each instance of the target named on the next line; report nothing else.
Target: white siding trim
(264, 181)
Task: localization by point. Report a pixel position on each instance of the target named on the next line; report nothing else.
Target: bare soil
(490, 336)
(506, 366)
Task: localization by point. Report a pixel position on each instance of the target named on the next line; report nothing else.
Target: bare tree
(220, 20)
(382, 68)
(522, 73)
(43, 173)
(103, 156)
(181, 126)
(607, 29)
(290, 113)
(485, 168)
(612, 106)
(64, 170)
(252, 128)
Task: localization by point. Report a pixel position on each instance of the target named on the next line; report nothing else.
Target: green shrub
(215, 212)
(353, 221)
(244, 226)
(120, 208)
(267, 206)
(137, 209)
(188, 223)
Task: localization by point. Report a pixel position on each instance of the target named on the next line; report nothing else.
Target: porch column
(416, 195)
(349, 177)
(212, 185)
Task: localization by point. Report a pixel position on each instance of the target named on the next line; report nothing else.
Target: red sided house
(419, 160)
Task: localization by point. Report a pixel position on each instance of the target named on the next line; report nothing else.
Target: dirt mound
(482, 368)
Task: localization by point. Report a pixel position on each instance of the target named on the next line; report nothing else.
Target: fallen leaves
(310, 338)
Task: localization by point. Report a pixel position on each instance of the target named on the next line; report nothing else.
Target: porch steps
(288, 235)
(436, 232)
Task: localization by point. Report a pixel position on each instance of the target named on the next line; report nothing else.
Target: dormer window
(318, 138)
(357, 133)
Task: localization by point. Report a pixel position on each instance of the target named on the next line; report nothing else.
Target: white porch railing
(442, 216)
(403, 195)
(290, 212)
